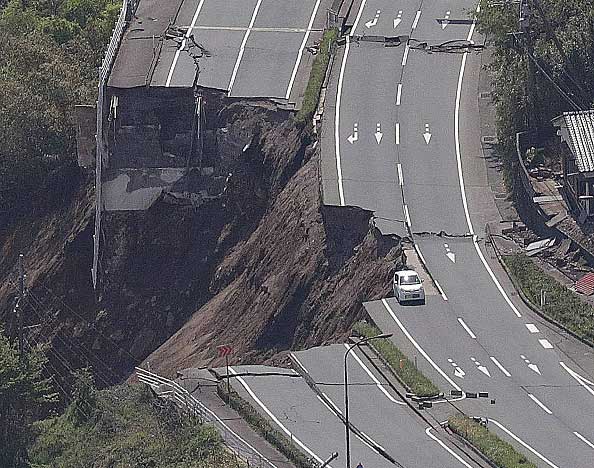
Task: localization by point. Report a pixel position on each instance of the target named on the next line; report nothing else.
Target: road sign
(224, 350)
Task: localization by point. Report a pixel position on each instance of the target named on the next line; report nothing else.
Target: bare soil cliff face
(266, 269)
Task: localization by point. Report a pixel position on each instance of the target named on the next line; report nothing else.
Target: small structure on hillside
(576, 129)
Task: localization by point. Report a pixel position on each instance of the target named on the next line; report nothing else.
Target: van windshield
(411, 279)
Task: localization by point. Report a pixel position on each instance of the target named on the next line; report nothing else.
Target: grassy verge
(316, 77)
(562, 305)
(263, 427)
(400, 364)
(492, 447)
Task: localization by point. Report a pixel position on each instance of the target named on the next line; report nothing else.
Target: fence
(128, 7)
(173, 391)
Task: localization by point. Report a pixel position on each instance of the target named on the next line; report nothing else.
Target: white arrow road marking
(451, 255)
(540, 403)
(480, 367)
(398, 19)
(546, 344)
(427, 134)
(458, 372)
(416, 21)
(501, 368)
(355, 135)
(534, 367)
(581, 380)
(584, 440)
(517, 439)
(532, 328)
(445, 22)
(378, 133)
(467, 328)
(374, 21)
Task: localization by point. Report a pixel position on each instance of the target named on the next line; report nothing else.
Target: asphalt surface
(249, 48)
(477, 335)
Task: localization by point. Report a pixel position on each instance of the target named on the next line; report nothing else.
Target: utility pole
(19, 308)
(524, 19)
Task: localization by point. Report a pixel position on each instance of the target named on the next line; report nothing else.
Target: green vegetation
(122, 427)
(49, 54)
(24, 395)
(562, 305)
(492, 447)
(263, 427)
(400, 364)
(316, 77)
(519, 100)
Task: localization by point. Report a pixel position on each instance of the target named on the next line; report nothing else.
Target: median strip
(406, 372)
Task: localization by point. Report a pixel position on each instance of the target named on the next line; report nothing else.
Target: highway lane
(294, 410)
(374, 408)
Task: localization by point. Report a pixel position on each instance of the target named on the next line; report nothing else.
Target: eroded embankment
(266, 268)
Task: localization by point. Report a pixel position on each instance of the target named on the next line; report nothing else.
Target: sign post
(226, 350)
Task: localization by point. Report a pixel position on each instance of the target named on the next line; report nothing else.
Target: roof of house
(577, 130)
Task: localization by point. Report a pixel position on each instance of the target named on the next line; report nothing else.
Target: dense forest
(50, 51)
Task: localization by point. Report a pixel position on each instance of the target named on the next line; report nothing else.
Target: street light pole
(346, 392)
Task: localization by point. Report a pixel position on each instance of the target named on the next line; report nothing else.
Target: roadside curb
(528, 302)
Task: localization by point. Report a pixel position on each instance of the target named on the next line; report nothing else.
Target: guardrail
(128, 7)
(174, 392)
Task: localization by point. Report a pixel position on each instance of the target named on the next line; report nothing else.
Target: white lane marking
(329, 400)
(375, 380)
(540, 403)
(416, 21)
(546, 344)
(398, 94)
(242, 47)
(353, 137)
(461, 176)
(337, 121)
(406, 215)
(444, 446)
(583, 439)
(420, 254)
(416, 345)
(520, 441)
(405, 56)
(400, 179)
(397, 133)
(324, 403)
(273, 417)
(577, 377)
(441, 291)
(501, 368)
(378, 133)
(532, 328)
(183, 44)
(300, 54)
(358, 18)
(468, 330)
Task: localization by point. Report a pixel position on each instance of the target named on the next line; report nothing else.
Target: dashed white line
(583, 439)
(273, 417)
(540, 403)
(501, 368)
(405, 56)
(517, 439)
(441, 291)
(546, 344)
(532, 328)
(416, 21)
(375, 380)
(397, 133)
(398, 94)
(183, 44)
(300, 54)
(400, 179)
(418, 347)
(242, 47)
(454, 454)
(406, 215)
(467, 328)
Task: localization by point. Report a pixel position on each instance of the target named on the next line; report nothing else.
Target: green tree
(24, 394)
